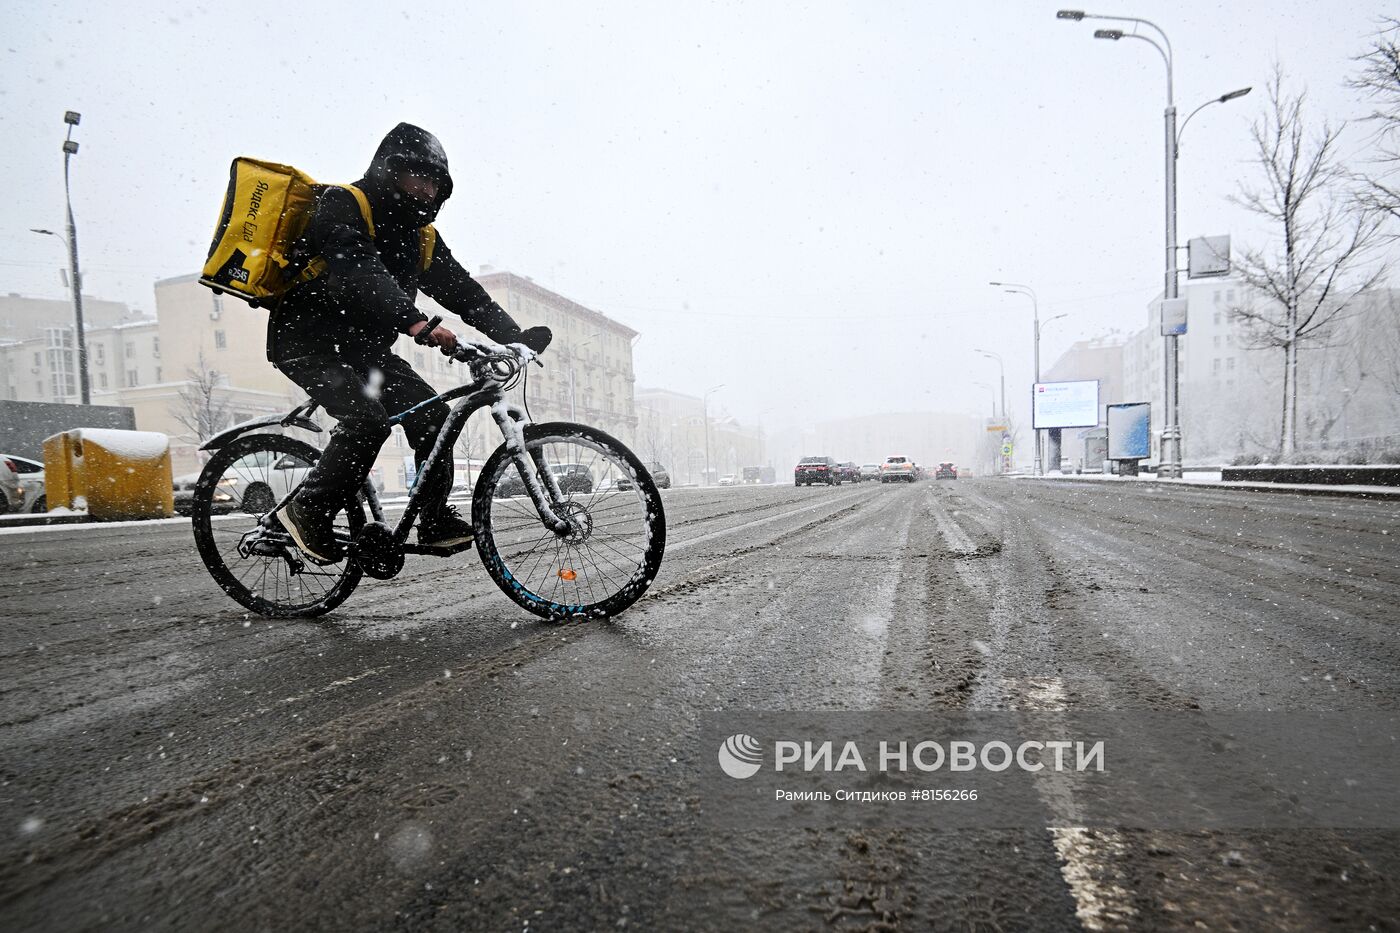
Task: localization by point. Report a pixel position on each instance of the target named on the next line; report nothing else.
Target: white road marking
(1087, 860)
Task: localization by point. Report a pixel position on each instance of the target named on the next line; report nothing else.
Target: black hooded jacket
(364, 298)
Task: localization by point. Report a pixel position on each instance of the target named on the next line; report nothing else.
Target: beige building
(671, 431)
(206, 354)
(39, 354)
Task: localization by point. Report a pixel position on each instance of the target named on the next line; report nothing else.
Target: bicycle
(580, 536)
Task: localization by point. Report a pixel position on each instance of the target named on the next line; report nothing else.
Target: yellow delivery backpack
(266, 210)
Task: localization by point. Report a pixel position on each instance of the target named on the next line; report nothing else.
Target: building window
(1217, 319)
(100, 354)
(155, 349)
(39, 388)
(1215, 365)
(1216, 340)
(131, 378)
(220, 341)
(102, 381)
(1230, 363)
(38, 360)
(130, 349)
(157, 374)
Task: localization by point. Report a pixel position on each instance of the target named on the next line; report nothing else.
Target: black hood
(406, 147)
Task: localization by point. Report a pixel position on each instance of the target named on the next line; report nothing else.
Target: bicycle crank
(376, 551)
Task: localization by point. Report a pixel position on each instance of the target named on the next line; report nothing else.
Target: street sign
(996, 429)
(1006, 450)
(1065, 404)
(1173, 316)
(1208, 257)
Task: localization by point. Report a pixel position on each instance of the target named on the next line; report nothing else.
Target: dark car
(850, 471)
(811, 470)
(659, 475)
(946, 471)
(573, 477)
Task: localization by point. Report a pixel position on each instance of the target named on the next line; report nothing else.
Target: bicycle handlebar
(499, 359)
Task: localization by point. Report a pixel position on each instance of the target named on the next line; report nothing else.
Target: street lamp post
(1170, 463)
(70, 148)
(706, 404)
(1001, 367)
(1016, 288)
(573, 357)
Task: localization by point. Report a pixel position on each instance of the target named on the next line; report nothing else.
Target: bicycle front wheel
(611, 554)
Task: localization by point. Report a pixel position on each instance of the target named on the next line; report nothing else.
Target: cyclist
(333, 335)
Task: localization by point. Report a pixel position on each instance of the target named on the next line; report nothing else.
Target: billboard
(1065, 404)
(1130, 431)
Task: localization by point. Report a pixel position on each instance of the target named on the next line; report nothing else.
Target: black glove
(536, 338)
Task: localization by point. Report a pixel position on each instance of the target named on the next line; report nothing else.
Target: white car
(869, 471)
(897, 470)
(11, 496)
(30, 474)
(254, 484)
(728, 479)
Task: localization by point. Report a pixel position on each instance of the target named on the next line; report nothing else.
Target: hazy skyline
(803, 203)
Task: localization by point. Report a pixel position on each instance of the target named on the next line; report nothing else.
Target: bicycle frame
(481, 392)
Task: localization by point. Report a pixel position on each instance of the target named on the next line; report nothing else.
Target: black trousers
(362, 389)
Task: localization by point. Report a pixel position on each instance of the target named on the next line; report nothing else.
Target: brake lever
(421, 338)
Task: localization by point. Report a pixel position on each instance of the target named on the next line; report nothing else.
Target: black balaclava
(406, 148)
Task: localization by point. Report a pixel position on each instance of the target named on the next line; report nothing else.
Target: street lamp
(1017, 288)
(706, 403)
(1001, 366)
(573, 356)
(1170, 464)
(70, 148)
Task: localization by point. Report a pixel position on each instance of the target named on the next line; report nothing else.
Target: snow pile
(129, 445)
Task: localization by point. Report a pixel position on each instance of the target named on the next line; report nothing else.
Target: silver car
(30, 477)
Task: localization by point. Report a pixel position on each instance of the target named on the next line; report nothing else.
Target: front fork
(533, 469)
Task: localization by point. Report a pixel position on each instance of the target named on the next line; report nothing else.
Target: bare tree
(1319, 264)
(200, 407)
(1377, 79)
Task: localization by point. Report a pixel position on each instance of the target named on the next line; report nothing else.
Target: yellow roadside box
(112, 475)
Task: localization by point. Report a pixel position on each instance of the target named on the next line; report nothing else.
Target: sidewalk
(1210, 479)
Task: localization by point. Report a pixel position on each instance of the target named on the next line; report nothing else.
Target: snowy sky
(803, 202)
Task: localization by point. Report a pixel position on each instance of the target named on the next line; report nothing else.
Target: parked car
(659, 475)
(897, 470)
(11, 495)
(254, 484)
(946, 471)
(869, 471)
(728, 479)
(811, 470)
(31, 483)
(572, 477)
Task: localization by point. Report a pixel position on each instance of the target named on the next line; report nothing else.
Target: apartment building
(208, 351)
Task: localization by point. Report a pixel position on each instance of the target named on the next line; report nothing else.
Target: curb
(1375, 494)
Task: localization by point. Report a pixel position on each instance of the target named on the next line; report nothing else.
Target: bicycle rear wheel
(239, 485)
(612, 554)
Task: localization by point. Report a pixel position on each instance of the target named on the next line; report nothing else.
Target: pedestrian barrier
(112, 475)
